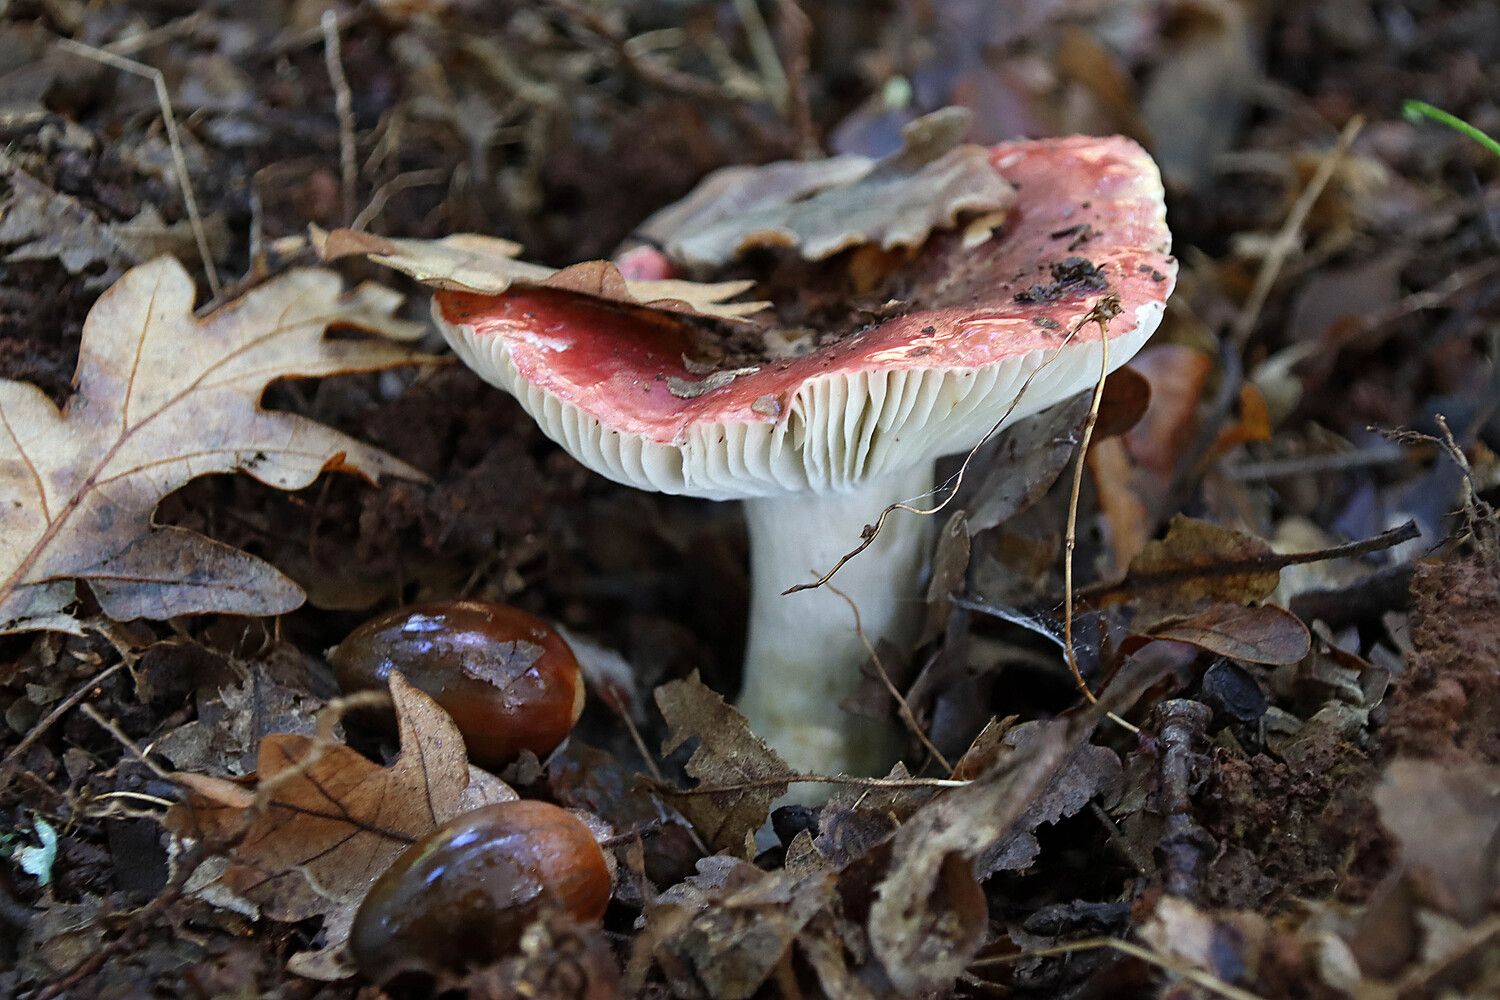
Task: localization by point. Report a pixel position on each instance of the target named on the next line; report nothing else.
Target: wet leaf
(823, 208)
(162, 398)
(321, 821)
(728, 755)
(468, 262)
(1262, 634)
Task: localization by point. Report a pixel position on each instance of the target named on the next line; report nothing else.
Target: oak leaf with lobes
(162, 397)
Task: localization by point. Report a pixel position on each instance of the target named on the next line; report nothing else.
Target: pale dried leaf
(467, 262)
(823, 208)
(163, 398)
(728, 754)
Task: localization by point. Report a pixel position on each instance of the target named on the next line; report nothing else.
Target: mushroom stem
(804, 653)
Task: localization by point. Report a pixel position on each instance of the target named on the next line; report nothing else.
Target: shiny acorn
(507, 678)
(462, 896)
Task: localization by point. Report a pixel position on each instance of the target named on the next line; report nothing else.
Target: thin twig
(58, 711)
(114, 730)
(1287, 237)
(956, 481)
(1071, 539)
(820, 779)
(392, 187)
(903, 706)
(179, 161)
(773, 77)
(343, 104)
(1196, 976)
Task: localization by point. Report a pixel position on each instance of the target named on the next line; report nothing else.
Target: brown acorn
(507, 678)
(462, 896)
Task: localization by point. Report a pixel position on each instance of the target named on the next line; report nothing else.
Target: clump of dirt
(1288, 831)
(1447, 706)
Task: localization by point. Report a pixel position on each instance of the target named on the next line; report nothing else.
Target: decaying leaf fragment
(728, 754)
(724, 931)
(823, 207)
(322, 821)
(162, 398)
(485, 265)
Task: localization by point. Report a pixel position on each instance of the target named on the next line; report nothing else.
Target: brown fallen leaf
(162, 398)
(1257, 634)
(321, 821)
(823, 208)
(1198, 562)
(728, 754)
(485, 265)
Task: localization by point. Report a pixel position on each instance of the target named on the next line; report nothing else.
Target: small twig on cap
(343, 104)
(1109, 304)
(179, 161)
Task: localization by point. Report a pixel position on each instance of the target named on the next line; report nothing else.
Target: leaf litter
(1269, 830)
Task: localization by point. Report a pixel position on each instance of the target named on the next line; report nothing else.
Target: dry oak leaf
(823, 207)
(729, 757)
(1255, 634)
(322, 821)
(161, 398)
(487, 265)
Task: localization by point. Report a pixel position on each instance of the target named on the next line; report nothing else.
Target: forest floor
(1301, 797)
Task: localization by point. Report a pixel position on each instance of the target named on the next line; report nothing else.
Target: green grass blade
(1417, 110)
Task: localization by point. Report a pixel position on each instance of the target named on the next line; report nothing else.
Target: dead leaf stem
(1288, 236)
(58, 711)
(343, 104)
(823, 779)
(179, 161)
(1071, 541)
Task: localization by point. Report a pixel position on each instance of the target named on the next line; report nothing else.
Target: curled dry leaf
(728, 755)
(321, 821)
(823, 207)
(162, 398)
(485, 265)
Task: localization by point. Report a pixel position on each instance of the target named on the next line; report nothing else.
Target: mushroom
(818, 445)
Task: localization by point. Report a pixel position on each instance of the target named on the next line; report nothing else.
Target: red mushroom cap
(1089, 223)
